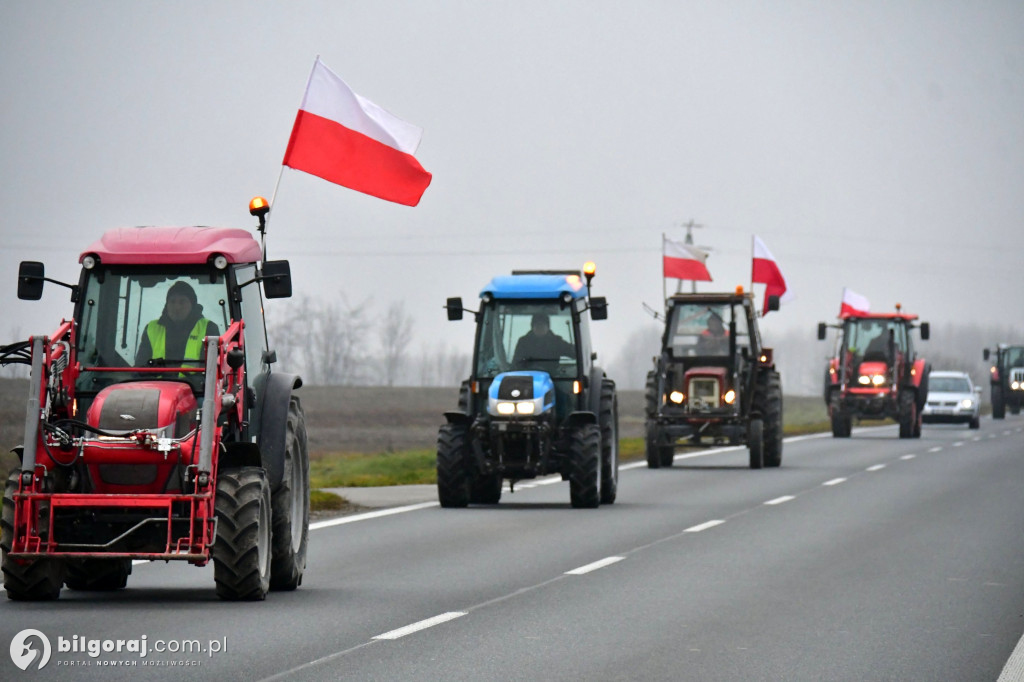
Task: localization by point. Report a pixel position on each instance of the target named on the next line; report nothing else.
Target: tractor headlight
(676, 397)
(878, 380)
(525, 408)
(729, 397)
(505, 408)
(864, 380)
(1015, 385)
(871, 379)
(89, 262)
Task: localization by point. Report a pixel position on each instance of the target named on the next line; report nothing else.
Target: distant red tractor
(874, 372)
(144, 444)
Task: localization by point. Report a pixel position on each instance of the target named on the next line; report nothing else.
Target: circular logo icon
(24, 654)
(515, 392)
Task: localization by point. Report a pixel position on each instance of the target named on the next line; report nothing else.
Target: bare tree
(395, 335)
(328, 339)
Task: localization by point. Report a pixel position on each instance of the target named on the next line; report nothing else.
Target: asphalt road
(871, 558)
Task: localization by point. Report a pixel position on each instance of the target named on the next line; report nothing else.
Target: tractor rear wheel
(290, 506)
(609, 421)
(29, 580)
(98, 575)
(755, 443)
(242, 550)
(585, 466)
(998, 404)
(771, 409)
(908, 414)
(452, 477)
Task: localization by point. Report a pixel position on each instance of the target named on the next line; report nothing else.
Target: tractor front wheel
(755, 443)
(585, 466)
(908, 414)
(30, 579)
(609, 422)
(771, 408)
(485, 489)
(290, 506)
(242, 550)
(452, 477)
(998, 404)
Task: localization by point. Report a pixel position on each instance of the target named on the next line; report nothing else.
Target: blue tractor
(535, 403)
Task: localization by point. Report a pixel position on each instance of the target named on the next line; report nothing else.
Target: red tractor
(874, 372)
(152, 434)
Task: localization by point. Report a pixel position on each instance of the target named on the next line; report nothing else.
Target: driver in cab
(540, 343)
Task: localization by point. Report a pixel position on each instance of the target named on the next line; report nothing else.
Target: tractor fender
(274, 424)
(594, 389)
(922, 370)
(580, 418)
(457, 418)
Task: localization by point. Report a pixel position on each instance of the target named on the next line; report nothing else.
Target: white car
(952, 398)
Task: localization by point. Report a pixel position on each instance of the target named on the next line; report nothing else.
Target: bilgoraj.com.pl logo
(31, 649)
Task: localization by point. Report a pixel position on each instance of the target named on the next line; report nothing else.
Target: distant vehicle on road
(1007, 379)
(952, 398)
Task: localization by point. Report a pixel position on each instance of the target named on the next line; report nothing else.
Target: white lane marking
(371, 515)
(976, 439)
(834, 481)
(908, 456)
(704, 526)
(937, 448)
(877, 467)
(1007, 432)
(607, 561)
(548, 481)
(781, 500)
(422, 625)
(958, 444)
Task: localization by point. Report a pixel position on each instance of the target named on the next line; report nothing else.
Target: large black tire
(609, 422)
(485, 489)
(771, 411)
(651, 446)
(242, 550)
(908, 414)
(290, 506)
(1014, 408)
(842, 422)
(998, 404)
(98, 575)
(651, 395)
(755, 443)
(452, 477)
(585, 466)
(31, 580)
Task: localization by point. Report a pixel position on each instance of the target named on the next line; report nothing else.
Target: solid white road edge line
(422, 625)
(607, 561)
(704, 526)
(372, 515)
(780, 500)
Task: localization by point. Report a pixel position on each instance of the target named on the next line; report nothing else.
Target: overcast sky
(876, 145)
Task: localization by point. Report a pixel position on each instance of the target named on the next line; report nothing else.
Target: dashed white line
(877, 467)
(958, 444)
(422, 625)
(937, 448)
(834, 481)
(704, 526)
(908, 456)
(781, 500)
(371, 515)
(607, 561)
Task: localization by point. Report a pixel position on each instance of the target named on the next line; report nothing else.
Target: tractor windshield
(868, 338)
(146, 318)
(526, 335)
(702, 329)
(1014, 357)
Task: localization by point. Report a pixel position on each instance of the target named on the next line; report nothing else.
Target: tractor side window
(255, 326)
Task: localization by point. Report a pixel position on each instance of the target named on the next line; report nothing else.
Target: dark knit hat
(182, 289)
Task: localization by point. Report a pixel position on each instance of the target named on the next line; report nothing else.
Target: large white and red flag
(765, 270)
(346, 139)
(853, 303)
(684, 261)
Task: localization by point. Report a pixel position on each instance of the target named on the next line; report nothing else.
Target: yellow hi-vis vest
(157, 334)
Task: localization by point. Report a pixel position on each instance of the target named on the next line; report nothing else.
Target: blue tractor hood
(518, 388)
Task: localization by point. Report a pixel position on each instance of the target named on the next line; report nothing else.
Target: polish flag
(683, 261)
(766, 271)
(346, 139)
(853, 303)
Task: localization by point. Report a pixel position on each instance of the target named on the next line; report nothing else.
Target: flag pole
(664, 292)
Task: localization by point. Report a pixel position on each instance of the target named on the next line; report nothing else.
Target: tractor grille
(1017, 375)
(703, 393)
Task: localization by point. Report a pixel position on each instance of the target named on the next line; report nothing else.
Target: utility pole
(689, 240)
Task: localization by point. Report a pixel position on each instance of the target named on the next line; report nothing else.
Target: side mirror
(821, 331)
(30, 280)
(454, 306)
(925, 331)
(599, 308)
(985, 354)
(276, 276)
(773, 302)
